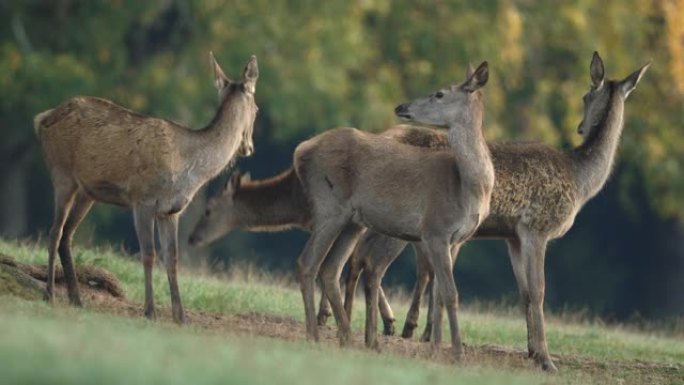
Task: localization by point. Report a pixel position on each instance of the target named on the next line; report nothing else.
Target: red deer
(538, 191)
(355, 180)
(96, 150)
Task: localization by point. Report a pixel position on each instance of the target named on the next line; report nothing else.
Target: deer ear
(470, 70)
(478, 78)
(251, 74)
(627, 85)
(220, 79)
(233, 183)
(596, 71)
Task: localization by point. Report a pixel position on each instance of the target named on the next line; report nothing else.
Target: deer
(355, 180)
(267, 205)
(537, 194)
(96, 150)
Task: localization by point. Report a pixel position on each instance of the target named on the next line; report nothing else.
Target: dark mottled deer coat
(96, 150)
(537, 193)
(355, 180)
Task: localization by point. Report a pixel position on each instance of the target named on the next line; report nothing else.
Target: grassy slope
(115, 349)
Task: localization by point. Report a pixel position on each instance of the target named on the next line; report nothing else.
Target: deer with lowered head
(96, 150)
(538, 191)
(267, 205)
(355, 180)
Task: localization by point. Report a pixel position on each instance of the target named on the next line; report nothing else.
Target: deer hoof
(409, 327)
(388, 327)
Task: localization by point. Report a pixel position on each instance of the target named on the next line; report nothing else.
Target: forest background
(349, 63)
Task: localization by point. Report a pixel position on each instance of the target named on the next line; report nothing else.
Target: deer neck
(273, 204)
(593, 160)
(213, 147)
(471, 152)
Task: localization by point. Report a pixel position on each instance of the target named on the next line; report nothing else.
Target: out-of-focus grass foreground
(246, 327)
(615, 282)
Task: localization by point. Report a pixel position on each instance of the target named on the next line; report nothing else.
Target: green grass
(44, 344)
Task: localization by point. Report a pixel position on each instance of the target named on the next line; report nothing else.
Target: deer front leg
(422, 279)
(143, 217)
(533, 249)
(438, 252)
(330, 275)
(309, 263)
(81, 206)
(168, 239)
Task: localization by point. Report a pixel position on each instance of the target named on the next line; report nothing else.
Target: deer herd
(362, 196)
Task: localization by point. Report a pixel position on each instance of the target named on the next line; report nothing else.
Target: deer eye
(207, 212)
(439, 94)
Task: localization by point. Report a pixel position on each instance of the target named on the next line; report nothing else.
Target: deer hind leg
(81, 206)
(422, 278)
(382, 251)
(168, 239)
(65, 191)
(330, 275)
(143, 217)
(309, 263)
(386, 313)
(324, 310)
(427, 332)
(520, 273)
(533, 250)
(356, 266)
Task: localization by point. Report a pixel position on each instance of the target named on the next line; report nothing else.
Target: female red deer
(538, 191)
(354, 179)
(96, 150)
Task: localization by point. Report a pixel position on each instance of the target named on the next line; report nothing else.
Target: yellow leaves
(510, 25)
(673, 10)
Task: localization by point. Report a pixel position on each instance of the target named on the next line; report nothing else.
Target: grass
(114, 349)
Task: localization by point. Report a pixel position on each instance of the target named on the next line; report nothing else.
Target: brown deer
(96, 150)
(355, 180)
(273, 204)
(538, 191)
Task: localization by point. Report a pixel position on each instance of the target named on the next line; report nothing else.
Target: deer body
(355, 180)
(96, 150)
(537, 193)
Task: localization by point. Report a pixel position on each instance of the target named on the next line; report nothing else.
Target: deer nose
(579, 128)
(401, 109)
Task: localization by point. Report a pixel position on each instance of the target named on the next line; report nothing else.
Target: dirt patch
(27, 278)
(289, 329)
(100, 297)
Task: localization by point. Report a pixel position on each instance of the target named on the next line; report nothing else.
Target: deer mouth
(402, 111)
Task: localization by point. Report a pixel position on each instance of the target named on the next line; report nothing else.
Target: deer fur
(272, 204)
(355, 180)
(538, 191)
(96, 150)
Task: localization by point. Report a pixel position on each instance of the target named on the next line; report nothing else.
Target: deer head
(597, 99)
(240, 96)
(219, 217)
(448, 105)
